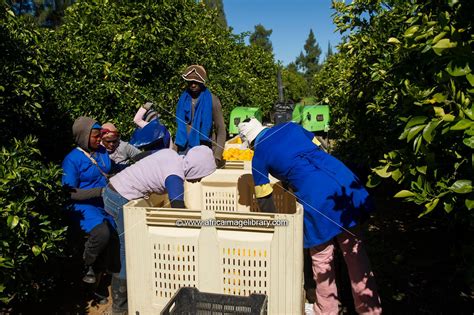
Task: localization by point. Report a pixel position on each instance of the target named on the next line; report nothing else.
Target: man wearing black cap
(199, 115)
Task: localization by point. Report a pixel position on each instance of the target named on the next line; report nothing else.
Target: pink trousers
(364, 288)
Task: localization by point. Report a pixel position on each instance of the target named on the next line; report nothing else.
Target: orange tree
(401, 88)
(32, 231)
(295, 86)
(113, 56)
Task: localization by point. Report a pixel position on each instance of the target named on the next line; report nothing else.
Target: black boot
(119, 296)
(89, 276)
(101, 292)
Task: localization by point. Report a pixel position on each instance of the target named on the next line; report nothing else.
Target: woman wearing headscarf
(85, 171)
(120, 152)
(161, 172)
(334, 202)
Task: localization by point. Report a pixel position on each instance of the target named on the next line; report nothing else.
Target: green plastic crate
(297, 112)
(239, 114)
(315, 117)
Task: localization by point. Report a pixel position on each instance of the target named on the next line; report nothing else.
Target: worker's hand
(220, 163)
(147, 105)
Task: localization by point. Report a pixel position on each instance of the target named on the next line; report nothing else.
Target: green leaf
(396, 174)
(462, 124)
(411, 20)
(36, 250)
(462, 186)
(420, 181)
(393, 40)
(458, 71)
(429, 128)
(439, 111)
(452, 2)
(404, 194)
(448, 117)
(469, 204)
(438, 98)
(411, 31)
(414, 131)
(417, 143)
(382, 171)
(469, 142)
(470, 78)
(417, 120)
(448, 207)
(404, 134)
(12, 221)
(393, 155)
(443, 44)
(421, 169)
(429, 207)
(426, 49)
(373, 181)
(438, 37)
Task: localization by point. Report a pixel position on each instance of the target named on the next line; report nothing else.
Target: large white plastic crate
(229, 190)
(238, 165)
(162, 257)
(233, 190)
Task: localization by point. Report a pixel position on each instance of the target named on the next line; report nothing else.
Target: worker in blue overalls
(334, 202)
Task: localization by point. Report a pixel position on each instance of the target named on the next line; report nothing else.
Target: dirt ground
(98, 309)
(417, 261)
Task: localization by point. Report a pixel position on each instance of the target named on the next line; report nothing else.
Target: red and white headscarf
(108, 129)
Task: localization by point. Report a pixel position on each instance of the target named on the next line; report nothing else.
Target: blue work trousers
(113, 205)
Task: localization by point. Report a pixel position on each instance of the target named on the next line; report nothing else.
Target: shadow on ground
(72, 295)
(416, 261)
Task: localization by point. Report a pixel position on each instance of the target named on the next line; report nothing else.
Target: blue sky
(290, 21)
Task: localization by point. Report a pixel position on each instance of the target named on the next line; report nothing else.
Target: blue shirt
(80, 172)
(331, 195)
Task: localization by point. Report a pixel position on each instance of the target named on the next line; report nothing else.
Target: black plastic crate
(190, 301)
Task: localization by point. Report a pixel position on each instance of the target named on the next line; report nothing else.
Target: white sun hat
(249, 130)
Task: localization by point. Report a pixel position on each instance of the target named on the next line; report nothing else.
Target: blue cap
(96, 126)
